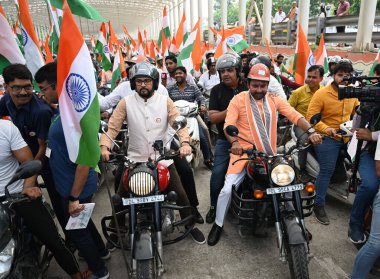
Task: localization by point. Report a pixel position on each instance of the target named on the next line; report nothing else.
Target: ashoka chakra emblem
(105, 49)
(79, 92)
(24, 37)
(231, 41)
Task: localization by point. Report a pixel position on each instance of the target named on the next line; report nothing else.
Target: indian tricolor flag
(102, 48)
(377, 61)
(303, 57)
(165, 35)
(33, 55)
(190, 55)
(237, 43)
(322, 55)
(222, 45)
(78, 101)
(9, 50)
(181, 35)
(118, 70)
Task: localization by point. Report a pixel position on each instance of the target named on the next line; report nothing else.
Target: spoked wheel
(298, 261)
(146, 269)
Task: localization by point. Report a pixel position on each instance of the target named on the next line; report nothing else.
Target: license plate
(286, 189)
(141, 200)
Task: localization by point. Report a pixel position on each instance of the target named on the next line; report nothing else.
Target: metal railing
(281, 32)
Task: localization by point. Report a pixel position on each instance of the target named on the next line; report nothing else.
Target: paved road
(235, 257)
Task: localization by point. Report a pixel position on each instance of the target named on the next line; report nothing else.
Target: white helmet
(334, 59)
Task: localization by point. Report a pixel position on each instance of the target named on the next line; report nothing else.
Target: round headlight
(184, 111)
(141, 183)
(282, 175)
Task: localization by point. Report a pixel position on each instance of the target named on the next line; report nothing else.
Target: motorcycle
(22, 255)
(270, 194)
(190, 111)
(339, 184)
(150, 211)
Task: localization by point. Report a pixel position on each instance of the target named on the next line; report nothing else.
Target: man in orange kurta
(254, 113)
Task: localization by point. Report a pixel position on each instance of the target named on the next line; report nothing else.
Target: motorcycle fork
(301, 218)
(278, 225)
(158, 230)
(132, 232)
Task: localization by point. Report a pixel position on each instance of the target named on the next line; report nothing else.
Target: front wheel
(145, 269)
(298, 261)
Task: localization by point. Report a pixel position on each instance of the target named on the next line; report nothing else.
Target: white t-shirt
(377, 153)
(275, 87)
(121, 91)
(10, 140)
(278, 17)
(208, 81)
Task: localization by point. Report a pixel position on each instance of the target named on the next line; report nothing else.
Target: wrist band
(234, 142)
(185, 142)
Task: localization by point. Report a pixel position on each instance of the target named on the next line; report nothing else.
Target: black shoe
(198, 217)
(197, 236)
(209, 164)
(214, 235)
(356, 235)
(109, 244)
(211, 214)
(320, 214)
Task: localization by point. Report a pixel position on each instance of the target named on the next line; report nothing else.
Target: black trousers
(187, 178)
(39, 221)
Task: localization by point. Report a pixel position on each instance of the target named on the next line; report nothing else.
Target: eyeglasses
(43, 90)
(144, 81)
(18, 88)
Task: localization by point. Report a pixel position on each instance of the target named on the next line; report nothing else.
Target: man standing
(343, 9)
(300, 99)
(228, 66)
(280, 64)
(279, 15)
(334, 112)
(171, 65)
(246, 111)
(191, 93)
(149, 116)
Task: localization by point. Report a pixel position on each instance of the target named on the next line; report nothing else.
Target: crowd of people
(245, 90)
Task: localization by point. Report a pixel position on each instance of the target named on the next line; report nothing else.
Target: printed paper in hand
(81, 221)
(351, 149)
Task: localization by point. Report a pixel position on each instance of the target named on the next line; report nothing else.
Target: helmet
(209, 53)
(334, 59)
(151, 60)
(259, 71)
(159, 57)
(163, 177)
(261, 59)
(144, 69)
(210, 61)
(228, 60)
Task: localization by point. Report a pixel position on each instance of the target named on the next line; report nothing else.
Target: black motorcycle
(270, 194)
(22, 255)
(150, 212)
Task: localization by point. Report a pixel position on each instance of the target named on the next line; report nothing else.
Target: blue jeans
(88, 241)
(367, 190)
(204, 144)
(221, 161)
(370, 252)
(327, 153)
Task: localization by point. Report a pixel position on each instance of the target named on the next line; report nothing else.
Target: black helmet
(144, 69)
(228, 60)
(261, 59)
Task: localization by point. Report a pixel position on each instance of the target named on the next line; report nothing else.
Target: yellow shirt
(334, 112)
(300, 99)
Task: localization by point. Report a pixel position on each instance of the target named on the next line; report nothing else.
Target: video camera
(363, 92)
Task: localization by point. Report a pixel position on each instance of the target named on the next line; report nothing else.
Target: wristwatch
(311, 131)
(73, 199)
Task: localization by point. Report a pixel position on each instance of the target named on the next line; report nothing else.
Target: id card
(48, 152)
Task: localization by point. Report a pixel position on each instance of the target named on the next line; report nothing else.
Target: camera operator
(369, 181)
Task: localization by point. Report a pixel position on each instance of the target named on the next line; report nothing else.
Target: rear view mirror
(103, 127)
(179, 123)
(232, 130)
(315, 118)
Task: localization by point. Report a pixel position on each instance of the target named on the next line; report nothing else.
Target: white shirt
(10, 140)
(171, 81)
(208, 81)
(276, 88)
(377, 153)
(124, 90)
(327, 79)
(278, 17)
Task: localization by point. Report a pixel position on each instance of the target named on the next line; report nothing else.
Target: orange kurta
(239, 114)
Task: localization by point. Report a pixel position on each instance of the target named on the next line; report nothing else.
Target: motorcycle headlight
(184, 111)
(6, 258)
(282, 175)
(141, 182)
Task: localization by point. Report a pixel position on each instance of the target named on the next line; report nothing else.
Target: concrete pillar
(200, 15)
(242, 12)
(175, 15)
(193, 13)
(267, 21)
(186, 7)
(180, 11)
(366, 21)
(171, 15)
(210, 21)
(303, 15)
(224, 13)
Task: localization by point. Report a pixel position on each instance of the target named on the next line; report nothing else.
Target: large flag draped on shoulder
(102, 48)
(78, 100)
(322, 55)
(377, 61)
(33, 55)
(303, 57)
(80, 8)
(9, 50)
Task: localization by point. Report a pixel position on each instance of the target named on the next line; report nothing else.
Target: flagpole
(56, 25)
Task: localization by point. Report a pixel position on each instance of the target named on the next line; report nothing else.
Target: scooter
(339, 183)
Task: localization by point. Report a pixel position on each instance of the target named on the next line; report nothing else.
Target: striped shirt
(190, 94)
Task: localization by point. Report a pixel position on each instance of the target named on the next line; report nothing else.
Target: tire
(298, 261)
(145, 269)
